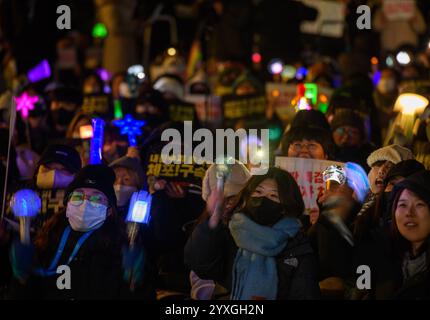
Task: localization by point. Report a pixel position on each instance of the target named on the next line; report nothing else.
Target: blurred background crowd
(327, 91)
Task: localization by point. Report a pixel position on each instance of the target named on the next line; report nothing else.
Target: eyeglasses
(297, 146)
(77, 198)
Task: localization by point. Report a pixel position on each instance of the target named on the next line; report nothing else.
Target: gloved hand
(133, 263)
(21, 258)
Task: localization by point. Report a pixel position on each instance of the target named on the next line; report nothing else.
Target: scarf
(255, 275)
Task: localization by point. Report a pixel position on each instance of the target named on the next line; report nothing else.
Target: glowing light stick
(25, 204)
(96, 148)
(25, 103)
(276, 66)
(99, 31)
(130, 127)
(103, 74)
(311, 92)
(138, 213)
(334, 174)
(357, 180)
(408, 105)
(376, 77)
(137, 70)
(403, 58)
(39, 72)
(301, 73)
(117, 109)
(86, 132)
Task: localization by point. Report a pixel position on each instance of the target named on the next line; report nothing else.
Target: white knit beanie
(235, 182)
(394, 153)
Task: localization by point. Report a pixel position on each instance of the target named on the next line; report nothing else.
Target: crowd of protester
(252, 239)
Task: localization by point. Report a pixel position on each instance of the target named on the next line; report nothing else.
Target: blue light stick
(25, 204)
(357, 180)
(140, 207)
(138, 212)
(96, 148)
(130, 127)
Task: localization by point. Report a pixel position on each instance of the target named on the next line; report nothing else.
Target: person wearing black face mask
(262, 246)
(264, 211)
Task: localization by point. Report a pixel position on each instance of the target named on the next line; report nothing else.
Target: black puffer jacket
(210, 253)
(96, 271)
(334, 252)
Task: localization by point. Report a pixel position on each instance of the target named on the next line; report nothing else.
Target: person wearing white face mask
(55, 170)
(89, 238)
(129, 177)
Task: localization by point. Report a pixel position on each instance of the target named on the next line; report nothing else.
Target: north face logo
(292, 262)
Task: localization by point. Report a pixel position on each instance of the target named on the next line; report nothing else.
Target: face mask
(264, 211)
(61, 180)
(86, 216)
(386, 85)
(53, 179)
(62, 116)
(123, 193)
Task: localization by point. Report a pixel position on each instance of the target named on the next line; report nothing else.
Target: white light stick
(334, 173)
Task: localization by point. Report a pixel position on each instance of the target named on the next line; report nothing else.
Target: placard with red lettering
(308, 174)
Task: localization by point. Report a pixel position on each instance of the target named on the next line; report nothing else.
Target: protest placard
(96, 104)
(237, 107)
(309, 177)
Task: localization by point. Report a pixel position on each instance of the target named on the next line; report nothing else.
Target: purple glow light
(104, 74)
(39, 72)
(24, 103)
